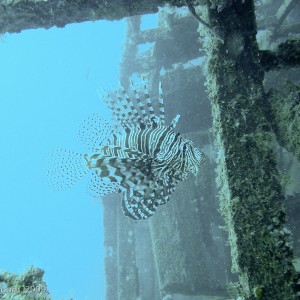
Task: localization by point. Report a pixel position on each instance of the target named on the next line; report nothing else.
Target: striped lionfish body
(137, 155)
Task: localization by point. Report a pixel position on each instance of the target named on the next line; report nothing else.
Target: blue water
(48, 86)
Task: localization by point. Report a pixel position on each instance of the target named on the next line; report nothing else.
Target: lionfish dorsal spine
(139, 104)
(134, 113)
(174, 121)
(126, 108)
(149, 104)
(109, 102)
(121, 109)
(161, 105)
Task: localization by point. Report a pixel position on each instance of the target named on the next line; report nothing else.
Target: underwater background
(49, 81)
(86, 246)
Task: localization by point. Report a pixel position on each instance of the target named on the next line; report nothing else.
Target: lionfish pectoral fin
(133, 175)
(136, 207)
(165, 186)
(142, 204)
(145, 191)
(65, 168)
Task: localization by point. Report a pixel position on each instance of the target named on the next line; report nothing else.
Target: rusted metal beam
(17, 15)
(283, 11)
(287, 55)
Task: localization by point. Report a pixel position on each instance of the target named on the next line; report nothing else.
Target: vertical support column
(127, 273)
(285, 117)
(185, 240)
(110, 217)
(250, 189)
(120, 258)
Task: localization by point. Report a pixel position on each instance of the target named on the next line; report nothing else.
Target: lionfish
(137, 154)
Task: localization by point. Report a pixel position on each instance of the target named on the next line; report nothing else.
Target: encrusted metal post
(285, 117)
(120, 258)
(251, 194)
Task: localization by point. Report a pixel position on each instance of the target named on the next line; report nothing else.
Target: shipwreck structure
(182, 251)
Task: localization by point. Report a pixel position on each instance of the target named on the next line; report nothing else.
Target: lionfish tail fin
(65, 168)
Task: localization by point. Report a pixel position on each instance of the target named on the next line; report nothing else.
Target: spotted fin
(64, 168)
(96, 131)
(99, 187)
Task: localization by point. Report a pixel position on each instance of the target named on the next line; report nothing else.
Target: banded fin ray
(140, 105)
(129, 114)
(109, 100)
(161, 105)
(149, 103)
(142, 202)
(135, 114)
(121, 152)
(137, 181)
(137, 210)
(136, 111)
